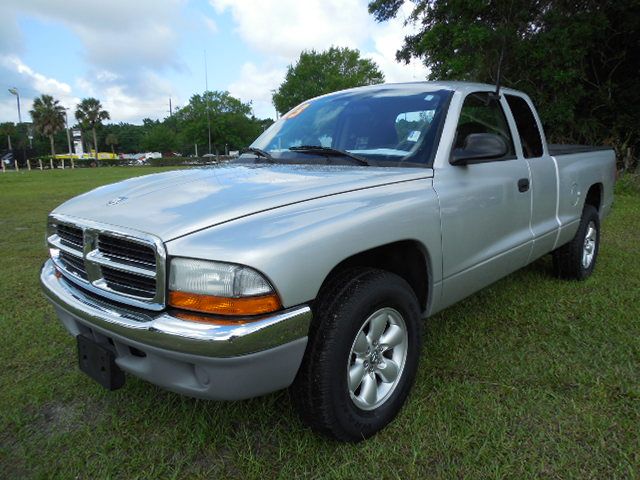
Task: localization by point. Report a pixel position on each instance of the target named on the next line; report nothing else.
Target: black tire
(568, 259)
(320, 391)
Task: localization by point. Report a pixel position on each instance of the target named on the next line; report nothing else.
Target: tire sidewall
(590, 215)
(394, 294)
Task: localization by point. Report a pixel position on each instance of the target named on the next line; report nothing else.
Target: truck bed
(556, 149)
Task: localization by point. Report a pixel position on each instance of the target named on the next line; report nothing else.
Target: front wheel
(362, 355)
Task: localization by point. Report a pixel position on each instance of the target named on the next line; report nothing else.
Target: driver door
(484, 205)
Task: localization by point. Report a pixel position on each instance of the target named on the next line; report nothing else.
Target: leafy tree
(111, 140)
(7, 129)
(48, 118)
(317, 73)
(577, 59)
(231, 122)
(90, 114)
(129, 136)
(159, 138)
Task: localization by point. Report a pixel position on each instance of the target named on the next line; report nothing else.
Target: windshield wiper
(258, 152)
(328, 151)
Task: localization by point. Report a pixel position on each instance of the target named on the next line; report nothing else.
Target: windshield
(385, 125)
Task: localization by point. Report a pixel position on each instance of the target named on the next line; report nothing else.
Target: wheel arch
(594, 196)
(408, 259)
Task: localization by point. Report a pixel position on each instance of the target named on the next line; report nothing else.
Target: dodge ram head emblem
(116, 201)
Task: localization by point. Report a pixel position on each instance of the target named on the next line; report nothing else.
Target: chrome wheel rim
(589, 248)
(377, 358)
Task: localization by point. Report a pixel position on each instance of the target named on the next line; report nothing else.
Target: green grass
(532, 377)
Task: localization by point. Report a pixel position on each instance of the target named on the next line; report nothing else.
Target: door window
(482, 113)
(527, 126)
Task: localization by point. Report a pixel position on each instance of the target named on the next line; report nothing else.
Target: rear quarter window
(527, 126)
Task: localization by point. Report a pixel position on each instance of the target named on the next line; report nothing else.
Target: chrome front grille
(120, 264)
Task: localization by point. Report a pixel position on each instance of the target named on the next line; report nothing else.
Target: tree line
(217, 115)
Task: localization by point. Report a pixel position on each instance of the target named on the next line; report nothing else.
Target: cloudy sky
(134, 55)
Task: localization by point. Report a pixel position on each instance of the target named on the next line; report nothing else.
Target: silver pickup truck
(311, 260)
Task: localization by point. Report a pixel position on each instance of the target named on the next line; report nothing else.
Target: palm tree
(48, 119)
(90, 114)
(111, 140)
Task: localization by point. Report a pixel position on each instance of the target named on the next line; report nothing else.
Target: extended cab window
(527, 126)
(482, 113)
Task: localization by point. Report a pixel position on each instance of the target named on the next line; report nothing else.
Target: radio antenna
(502, 49)
(499, 74)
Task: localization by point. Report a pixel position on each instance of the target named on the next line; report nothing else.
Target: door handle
(523, 184)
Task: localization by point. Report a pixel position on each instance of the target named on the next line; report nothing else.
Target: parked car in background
(312, 259)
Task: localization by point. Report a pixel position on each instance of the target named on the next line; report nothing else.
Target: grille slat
(126, 250)
(70, 236)
(73, 264)
(129, 283)
(114, 262)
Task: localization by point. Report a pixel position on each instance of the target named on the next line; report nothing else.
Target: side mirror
(479, 146)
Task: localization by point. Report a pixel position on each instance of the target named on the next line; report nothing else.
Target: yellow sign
(295, 111)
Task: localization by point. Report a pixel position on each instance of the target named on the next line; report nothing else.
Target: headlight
(219, 288)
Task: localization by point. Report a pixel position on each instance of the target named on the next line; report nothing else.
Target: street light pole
(14, 91)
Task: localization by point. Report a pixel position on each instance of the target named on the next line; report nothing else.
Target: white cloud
(113, 33)
(388, 37)
(256, 84)
(211, 24)
(116, 98)
(35, 83)
(283, 28)
(40, 82)
(127, 47)
(127, 103)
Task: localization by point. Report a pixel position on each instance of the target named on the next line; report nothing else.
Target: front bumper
(226, 361)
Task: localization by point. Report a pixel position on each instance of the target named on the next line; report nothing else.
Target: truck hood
(173, 204)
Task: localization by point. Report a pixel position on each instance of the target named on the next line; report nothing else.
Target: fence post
(40, 163)
(4, 169)
(51, 162)
(28, 164)
(15, 162)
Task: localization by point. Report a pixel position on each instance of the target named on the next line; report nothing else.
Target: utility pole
(170, 109)
(206, 88)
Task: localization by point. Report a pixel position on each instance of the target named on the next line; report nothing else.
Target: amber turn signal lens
(202, 318)
(225, 306)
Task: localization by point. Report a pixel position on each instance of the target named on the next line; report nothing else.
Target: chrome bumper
(164, 331)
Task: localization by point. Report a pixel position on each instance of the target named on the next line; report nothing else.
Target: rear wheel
(362, 355)
(577, 259)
